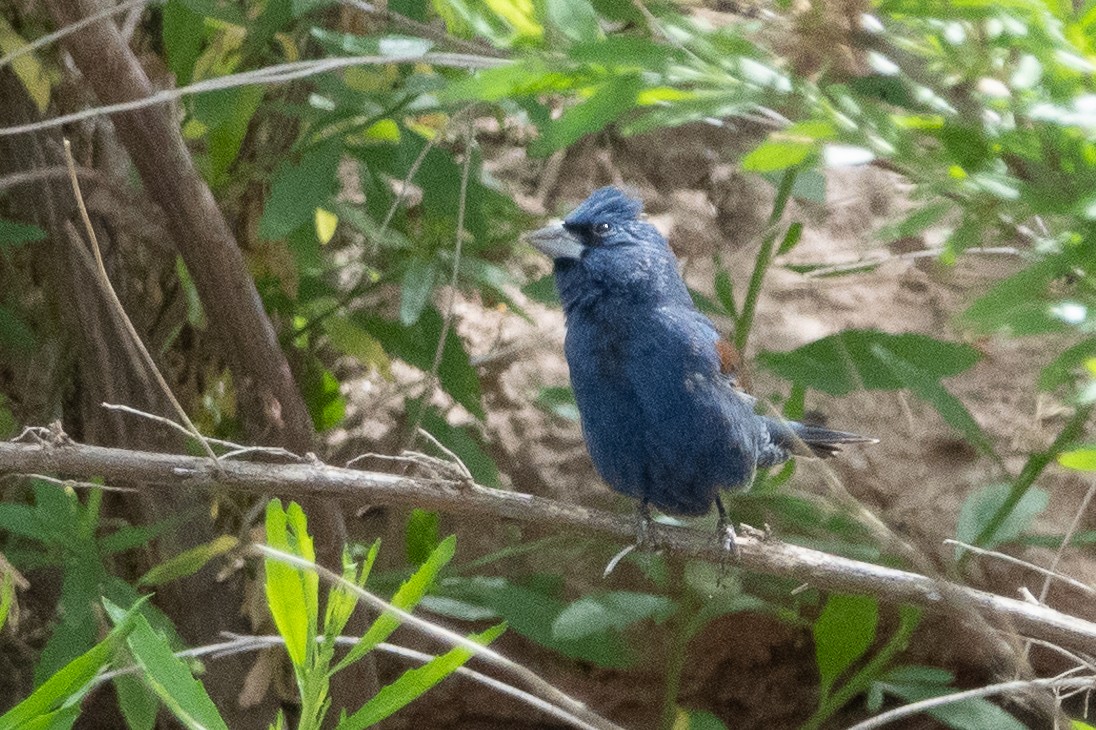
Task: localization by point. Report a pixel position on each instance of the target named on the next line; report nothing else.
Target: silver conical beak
(555, 241)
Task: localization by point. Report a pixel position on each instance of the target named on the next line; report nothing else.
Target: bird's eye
(603, 229)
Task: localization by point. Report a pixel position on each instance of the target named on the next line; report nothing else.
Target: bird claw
(728, 539)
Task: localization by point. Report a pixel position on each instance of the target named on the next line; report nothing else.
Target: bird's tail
(803, 440)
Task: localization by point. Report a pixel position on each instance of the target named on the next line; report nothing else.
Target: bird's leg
(726, 530)
(643, 523)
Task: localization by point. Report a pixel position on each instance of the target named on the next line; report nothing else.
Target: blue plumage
(663, 418)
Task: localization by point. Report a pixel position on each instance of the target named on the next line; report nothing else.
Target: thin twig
(458, 463)
(915, 708)
(1082, 510)
(1048, 572)
(236, 450)
(531, 679)
(454, 278)
(423, 30)
(277, 74)
(69, 482)
(120, 311)
(71, 28)
(238, 644)
(872, 262)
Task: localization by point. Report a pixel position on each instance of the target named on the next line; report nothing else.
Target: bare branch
(821, 570)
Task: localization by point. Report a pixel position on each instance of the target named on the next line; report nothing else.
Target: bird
(659, 395)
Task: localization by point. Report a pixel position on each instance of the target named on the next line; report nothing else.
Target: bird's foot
(643, 523)
(725, 530)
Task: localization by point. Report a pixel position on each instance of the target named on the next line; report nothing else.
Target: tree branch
(316, 480)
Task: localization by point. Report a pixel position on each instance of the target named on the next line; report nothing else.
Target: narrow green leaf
(609, 102)
(842, 634)
(138, 703)
(421, 535)
(14, 234)
(67, 687)
(1081, 459)
(188, 562)
(406, 598)
(575, 18)
(791, 238)
(418, 285)
(7, 596)
(170, 678)
(616, 610)
(340, 600)
(285, 593)
(414, 683)
(777, 154)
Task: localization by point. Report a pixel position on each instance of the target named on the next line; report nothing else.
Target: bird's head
(606, 248)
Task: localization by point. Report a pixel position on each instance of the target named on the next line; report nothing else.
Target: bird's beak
(555, 241)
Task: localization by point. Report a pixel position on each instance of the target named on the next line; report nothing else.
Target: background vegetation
(311, 214)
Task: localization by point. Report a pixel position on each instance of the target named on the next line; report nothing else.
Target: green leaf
(559, 401)
(406, 598)
(531, 610)
(15, 334)
(575, 19)
(227, 113)
(7, 595)
(188, 562)
(1082, 459)
(418, 285)
(847, 361)
(842, 634)
(168, 676)
(777, 154)
(341, 600)
(542, 290)
(352, 340)
(916, 222)
(617, 610)
(139, 704)
(421, 535)
(972, 714)
(414, 683)
(700, 720)
(1061, 369)
(14, 234)
(609, 102)
(980, 507)
(383, 45)
(1018, 305)
(64, 690)
(297, 189)
(417, 344)
(927, 387)
(183, 34)
(791, 238)
(286, 588)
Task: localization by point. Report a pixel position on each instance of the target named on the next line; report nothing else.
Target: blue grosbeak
(662, 413)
